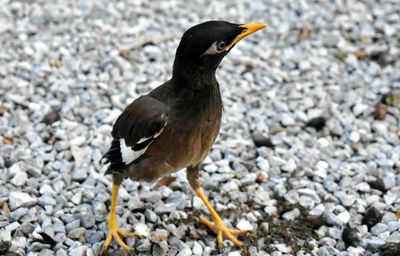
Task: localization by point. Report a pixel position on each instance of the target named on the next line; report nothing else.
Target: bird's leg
(218, 225)
(113, 229)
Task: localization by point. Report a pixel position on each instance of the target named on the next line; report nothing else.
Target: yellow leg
(218, 226)
(113, 229)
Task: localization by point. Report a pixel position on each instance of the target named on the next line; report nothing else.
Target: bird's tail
(114, 157)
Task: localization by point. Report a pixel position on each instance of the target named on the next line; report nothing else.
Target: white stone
(323, 142)
(359, 108)
(288, 120)
(14, 169)
(235, 253)
(375, 242)
(210, 167)
(197, 249)
(230, 186)
(263, 164)
(384, 235)
(291, 215)
(46, 189)
(78, 251)
(18, 199)
(198, 204)
(311, 193)
(276, 161)
(283, 248)
(321, 169)
(367, 30)
(78, 141)
(244, 224)
(19, 178)
(20, 242)
(5, 235)
(185, 252)
(344, 217)
(390, 197)
(363, 187)
(141, 229)
(389, 179)
(12, 226)
(317, 210)
(81, 155)
(289, 166)
(378, 229)
(354, 136)
(77, 198)
(393, 225)
(355, 251)
(394, 237)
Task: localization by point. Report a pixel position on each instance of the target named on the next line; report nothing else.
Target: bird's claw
(115, 232)
(220, 228)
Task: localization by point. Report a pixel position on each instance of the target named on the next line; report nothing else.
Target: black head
(203, 46)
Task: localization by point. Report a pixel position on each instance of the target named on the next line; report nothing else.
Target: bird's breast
(186, 143)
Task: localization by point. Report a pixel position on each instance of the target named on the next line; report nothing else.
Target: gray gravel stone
(151, 196)
(165, 208)
(27, 228)
(79, 175)
(143, 245)
(61, 252)
(77, 250)
(150, 215)
(230, 186)
(46, 200)
(93, 236)
(87, 219)
(134, 204)
(76, 233)
(18, 213)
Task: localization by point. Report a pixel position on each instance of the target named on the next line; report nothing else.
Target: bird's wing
(135, 129)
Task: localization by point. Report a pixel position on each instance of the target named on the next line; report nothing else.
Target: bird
(175, 125)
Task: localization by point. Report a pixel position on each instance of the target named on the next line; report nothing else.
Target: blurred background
(309, 149)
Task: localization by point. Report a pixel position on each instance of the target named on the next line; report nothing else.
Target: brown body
(189, 133)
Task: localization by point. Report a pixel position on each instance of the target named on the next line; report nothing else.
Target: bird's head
(203, 46)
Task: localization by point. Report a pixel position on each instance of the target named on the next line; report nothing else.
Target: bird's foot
(219, 227)
(116, 232)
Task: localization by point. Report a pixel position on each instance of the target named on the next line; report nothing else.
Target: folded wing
(136, 128)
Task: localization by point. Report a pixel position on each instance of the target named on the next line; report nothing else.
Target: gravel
(300, 157)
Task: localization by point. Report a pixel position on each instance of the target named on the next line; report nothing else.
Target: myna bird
(175, 125)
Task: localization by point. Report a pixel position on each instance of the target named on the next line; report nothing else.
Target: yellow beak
(249, 29)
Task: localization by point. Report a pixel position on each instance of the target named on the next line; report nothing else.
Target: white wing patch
(129, 155)
(142, 140)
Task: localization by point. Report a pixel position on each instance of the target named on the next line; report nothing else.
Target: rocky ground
(306, 157)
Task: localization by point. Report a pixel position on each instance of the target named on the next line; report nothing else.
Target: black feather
(144, 144)
(114, 157)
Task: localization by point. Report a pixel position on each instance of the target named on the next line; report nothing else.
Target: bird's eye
(221, 45)
(216, 48)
